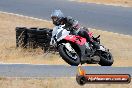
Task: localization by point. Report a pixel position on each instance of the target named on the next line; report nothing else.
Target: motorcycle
(75, 50)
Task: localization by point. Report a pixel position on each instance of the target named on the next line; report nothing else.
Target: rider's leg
(84, 34)
(96, 45)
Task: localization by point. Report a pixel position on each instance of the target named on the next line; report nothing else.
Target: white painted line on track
(111, 32)
(113, 5)
(23, 16)
(38, 77)
(50, 21)
(1, 63)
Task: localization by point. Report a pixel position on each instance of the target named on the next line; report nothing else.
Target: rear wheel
(71, 58)
(106, 59)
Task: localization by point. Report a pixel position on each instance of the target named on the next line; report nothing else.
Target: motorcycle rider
(72, 25)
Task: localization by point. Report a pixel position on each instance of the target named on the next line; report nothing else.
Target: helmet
(57, 13)
(56, 17)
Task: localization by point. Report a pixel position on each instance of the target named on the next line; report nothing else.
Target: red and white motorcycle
(75, 50)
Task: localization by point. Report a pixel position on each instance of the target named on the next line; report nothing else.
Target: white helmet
(57, 13)
(56, 17)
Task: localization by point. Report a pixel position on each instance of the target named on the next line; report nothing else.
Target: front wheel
(71, 58)
(106, 59)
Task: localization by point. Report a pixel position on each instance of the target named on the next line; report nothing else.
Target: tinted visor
(54, 18)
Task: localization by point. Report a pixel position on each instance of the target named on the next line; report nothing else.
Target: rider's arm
(53, 34)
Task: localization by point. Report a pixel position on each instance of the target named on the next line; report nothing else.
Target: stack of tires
(21, 37)
(43, 36)
(31, 40)
(33, 37)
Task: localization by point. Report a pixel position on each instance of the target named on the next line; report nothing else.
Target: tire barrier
(31, 40)
(21, 37)
(33, 37)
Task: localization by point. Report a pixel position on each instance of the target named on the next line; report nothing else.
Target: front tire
(106, 59)
(70, 60)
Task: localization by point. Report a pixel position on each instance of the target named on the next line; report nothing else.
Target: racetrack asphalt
(40, 71)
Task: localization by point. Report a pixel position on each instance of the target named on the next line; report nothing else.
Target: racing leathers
(73, 26)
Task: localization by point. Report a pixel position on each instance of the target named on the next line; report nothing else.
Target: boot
(96, 45)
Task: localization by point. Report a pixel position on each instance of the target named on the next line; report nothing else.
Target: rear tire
(68, 59)
(106, 59)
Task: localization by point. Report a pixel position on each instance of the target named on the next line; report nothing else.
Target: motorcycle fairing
(76, 39)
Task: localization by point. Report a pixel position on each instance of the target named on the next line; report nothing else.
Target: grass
(124, 3)
(53, 83)
(8, 51)
(120, 45)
